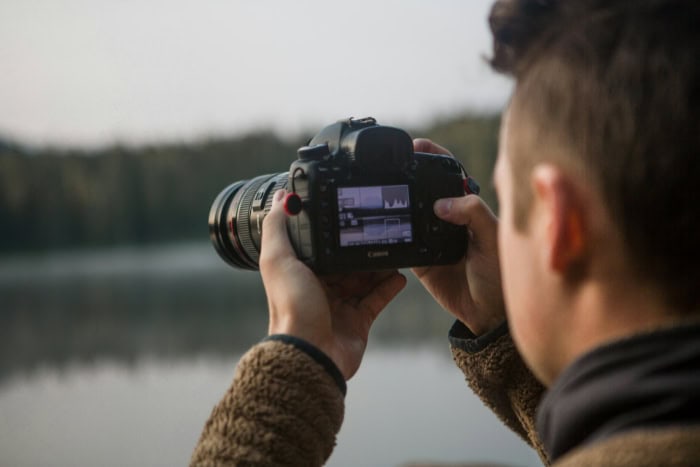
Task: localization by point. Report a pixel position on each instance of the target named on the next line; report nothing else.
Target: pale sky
(92, 72)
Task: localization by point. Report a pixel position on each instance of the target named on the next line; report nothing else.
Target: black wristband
(315, 353)
(461, 337)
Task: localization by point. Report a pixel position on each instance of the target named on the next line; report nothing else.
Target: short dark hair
(617, 83)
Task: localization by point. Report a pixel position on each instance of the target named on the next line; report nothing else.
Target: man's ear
(562, 212)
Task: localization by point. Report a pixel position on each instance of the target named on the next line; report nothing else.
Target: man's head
(604, 131)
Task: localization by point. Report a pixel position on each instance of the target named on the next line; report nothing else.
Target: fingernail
(442, 207)
(279, 195)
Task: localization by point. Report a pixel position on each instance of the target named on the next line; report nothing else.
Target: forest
(60, 198)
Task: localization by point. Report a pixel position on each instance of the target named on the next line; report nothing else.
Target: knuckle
(422, 144)
(427, 145)
(264, 265)
(467, 204)
(472, 202)
(268, 221)
(266, 261)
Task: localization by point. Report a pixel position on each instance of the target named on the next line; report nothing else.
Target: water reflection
(95, 309)
(166, 302)
(116, 358)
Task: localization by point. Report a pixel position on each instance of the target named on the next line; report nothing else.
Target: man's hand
(332, 313)
(471, 289)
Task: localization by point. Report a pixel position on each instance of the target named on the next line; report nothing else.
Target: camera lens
(236, 216)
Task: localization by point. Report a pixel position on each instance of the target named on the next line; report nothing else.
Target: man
(594, 263)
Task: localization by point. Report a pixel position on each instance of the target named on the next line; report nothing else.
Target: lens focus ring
(245, 209)
(234, 237)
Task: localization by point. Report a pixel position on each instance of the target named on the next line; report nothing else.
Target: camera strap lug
(471, 187)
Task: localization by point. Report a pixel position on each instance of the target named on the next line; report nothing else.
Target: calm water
(116, 358)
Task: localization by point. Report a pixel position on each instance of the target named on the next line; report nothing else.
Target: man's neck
(600, 316)
(654, 376)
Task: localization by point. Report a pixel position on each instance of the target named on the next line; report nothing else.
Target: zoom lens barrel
(235, 218)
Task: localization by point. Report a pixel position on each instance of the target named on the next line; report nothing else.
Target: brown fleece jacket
(284, 408)
(499, 377)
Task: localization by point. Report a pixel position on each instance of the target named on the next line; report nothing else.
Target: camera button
(293, 204)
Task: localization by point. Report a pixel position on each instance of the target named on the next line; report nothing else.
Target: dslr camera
(359, 198)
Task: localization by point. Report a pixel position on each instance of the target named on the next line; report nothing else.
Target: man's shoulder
(677, 446)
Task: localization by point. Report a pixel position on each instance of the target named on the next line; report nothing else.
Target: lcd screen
(374, 215)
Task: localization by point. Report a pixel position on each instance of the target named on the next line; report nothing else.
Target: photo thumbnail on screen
(374, 215)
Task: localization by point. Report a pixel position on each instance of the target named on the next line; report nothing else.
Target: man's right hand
(471, 289)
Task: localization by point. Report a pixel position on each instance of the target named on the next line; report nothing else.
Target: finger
(472, 212)
(275, 242)
(382, 294)
(447, 271)
(356, 284)
(426, 145)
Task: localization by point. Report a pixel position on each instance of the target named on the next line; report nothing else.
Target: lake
(116, 357)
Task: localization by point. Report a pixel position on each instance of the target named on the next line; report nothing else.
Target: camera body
(368, 201)
(360, 199)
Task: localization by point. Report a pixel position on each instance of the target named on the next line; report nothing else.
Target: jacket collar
(648, 380)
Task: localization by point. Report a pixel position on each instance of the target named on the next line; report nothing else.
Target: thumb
(472, 212)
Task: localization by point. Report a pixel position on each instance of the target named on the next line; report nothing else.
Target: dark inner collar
(648, 380)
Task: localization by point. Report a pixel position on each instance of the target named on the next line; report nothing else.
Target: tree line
(57, 198)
